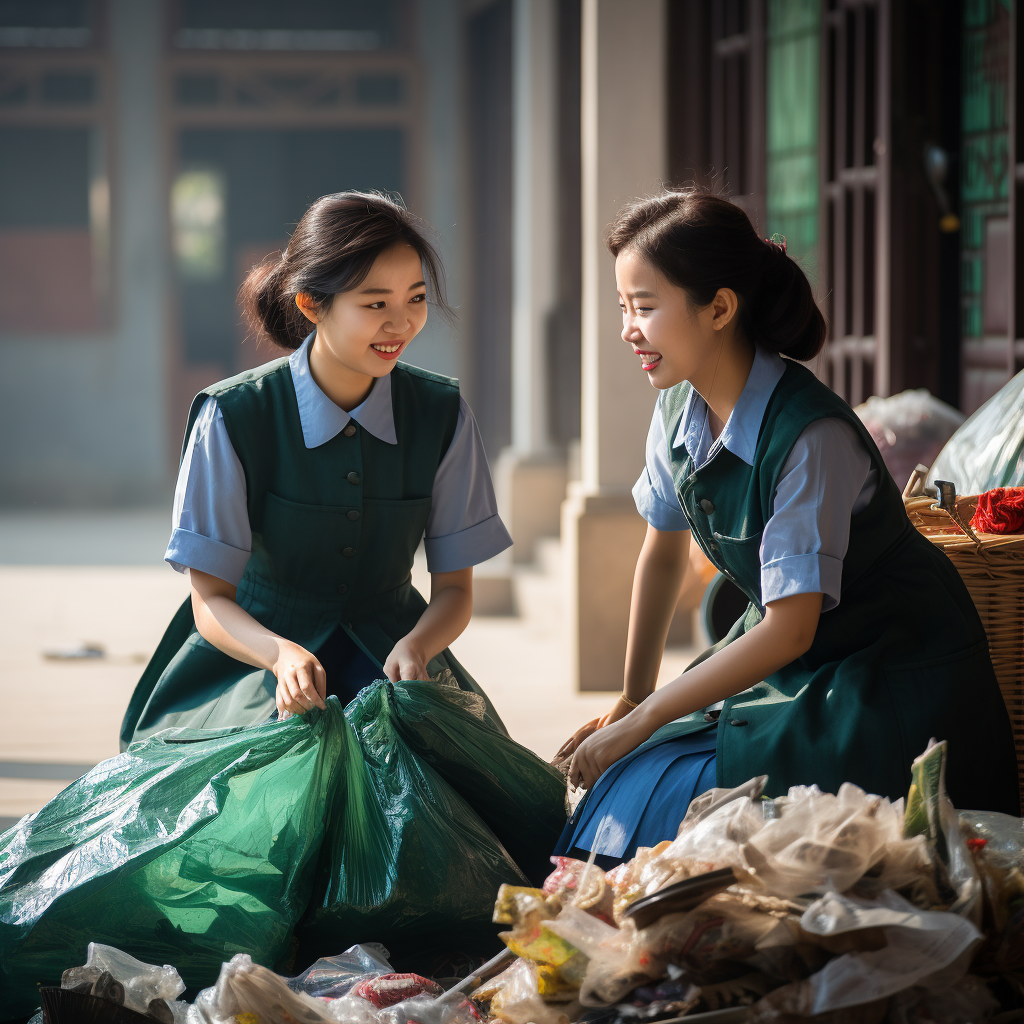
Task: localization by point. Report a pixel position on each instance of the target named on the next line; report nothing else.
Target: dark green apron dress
(334, 531)
(903, 657)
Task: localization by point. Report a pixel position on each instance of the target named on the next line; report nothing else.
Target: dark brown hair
(332, 250)
(702, 242)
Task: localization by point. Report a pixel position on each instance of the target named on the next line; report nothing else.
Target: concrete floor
(73, 578)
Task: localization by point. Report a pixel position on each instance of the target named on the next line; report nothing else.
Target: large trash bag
(187, 848)
(988, 450)
(520, 798)
(407, 860)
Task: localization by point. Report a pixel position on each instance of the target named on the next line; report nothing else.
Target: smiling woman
(305, 488)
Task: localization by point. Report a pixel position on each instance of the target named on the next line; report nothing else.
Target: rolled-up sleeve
(210, 521)
(464, 527)
(655, 491)
(823, 482)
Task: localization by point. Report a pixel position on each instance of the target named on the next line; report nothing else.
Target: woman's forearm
(228, 627)
(660, 571)
(785, 633)
(446, 616)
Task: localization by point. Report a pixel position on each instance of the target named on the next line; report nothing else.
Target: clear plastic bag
(335, 976)
(988, 450)
(142, 983)
(244, 987)
(909, 428)
(616, 962)
(514, 997)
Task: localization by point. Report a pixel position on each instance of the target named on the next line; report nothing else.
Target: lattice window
(854, 171)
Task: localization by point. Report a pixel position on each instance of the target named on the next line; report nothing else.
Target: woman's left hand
(602, 749)
(406, 661)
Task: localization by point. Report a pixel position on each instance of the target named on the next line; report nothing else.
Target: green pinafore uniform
(334, 531)
(901, 659)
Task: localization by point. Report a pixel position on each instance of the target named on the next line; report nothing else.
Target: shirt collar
(744, 424)
(322, 420)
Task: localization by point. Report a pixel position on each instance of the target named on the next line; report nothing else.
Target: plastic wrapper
(524, 906)
(930, 813)
(581, 883)
(996, 842)
(514, 997)
(140, 985)
(718, 824)
(616, 962)
(909, 428)
(921, 947)
(821, 841)
(426, 1009)
(185, 849)
(334, 976)
(406, 855)
(247, 993)
(988, 450)
(389, 989)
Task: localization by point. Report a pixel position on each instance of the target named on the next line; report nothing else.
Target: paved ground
(67, 579)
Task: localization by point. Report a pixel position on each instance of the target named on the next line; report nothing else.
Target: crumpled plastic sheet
(244, 987)
(142, 982)
(988, 450)
(335, 976)
(909, 428)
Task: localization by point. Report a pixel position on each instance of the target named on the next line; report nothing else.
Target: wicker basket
(992, 567)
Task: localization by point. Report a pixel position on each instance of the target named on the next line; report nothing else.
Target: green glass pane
(792, 125)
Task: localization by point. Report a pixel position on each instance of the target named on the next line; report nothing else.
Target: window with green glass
(985, 168)
(793, 34)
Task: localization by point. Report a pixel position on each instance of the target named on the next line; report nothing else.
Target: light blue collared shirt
(211, 522)
(827, 478)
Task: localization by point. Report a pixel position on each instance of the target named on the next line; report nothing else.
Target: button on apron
(342, 588)
(348, 552)
(349, 430)
(353, 478)
(707, 506)
(353, 514)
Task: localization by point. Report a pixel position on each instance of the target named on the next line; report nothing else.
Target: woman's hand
(406, 661)
(301, 680)
(618, 710)
(603, 748)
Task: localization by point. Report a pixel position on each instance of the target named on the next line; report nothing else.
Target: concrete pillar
(530, 477)
(440, 346)
(623, 156)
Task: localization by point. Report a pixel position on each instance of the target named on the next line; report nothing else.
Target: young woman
(860, 641)
(306, 485)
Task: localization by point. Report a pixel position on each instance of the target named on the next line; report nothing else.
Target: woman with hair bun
(860, 641)
(306, 485)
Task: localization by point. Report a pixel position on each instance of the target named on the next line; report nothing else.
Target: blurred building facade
(151, 151)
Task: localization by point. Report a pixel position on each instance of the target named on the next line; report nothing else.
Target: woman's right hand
(301, 680)
(618, 710)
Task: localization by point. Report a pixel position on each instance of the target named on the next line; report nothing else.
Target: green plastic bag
(520, 798)
(407, 862)
(186, 849)
(383, 822)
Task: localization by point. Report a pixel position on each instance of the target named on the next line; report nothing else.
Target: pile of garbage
(845, 908)
(813, 906)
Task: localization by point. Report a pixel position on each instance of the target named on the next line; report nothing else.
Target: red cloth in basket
(1000, 511)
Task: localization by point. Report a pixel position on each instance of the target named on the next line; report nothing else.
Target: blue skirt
(641, 799)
